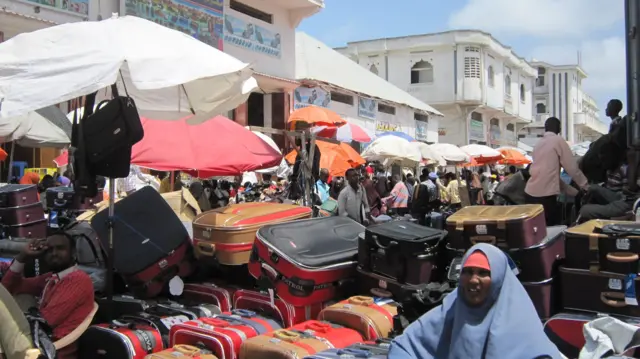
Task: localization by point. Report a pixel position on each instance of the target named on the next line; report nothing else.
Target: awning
(13, 23)
(274, 84)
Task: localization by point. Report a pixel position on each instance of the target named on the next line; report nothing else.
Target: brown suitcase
(595, 291)
(541, 261)
(226, 235)
(543, 296)
(507, 227)
(374, 321)
(11, 216)
(587, 247)
(182, 351)
(14, 195)
(33, 229)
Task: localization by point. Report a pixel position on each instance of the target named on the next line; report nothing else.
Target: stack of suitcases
(21, 212)
(520, 231)
(598, 277)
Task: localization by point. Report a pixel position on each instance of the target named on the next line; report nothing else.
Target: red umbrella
(218, 147)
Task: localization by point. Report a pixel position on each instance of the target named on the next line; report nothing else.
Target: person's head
(552, 124)
(61, 251)
(613, 108)
(433, 176)
(352, 177)
(425, 171)
(324, 175)
(63, 181)
(450, 176)
(411, 181)
(47, 182)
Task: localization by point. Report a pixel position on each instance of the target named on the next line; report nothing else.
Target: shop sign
(421, 131)
(201, 19)
(307, 96)
(245, 34)
(476, 130)
(80, 7)
(383, 126)
(367, 108)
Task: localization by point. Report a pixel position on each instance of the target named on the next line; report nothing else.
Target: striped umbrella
(346, 133)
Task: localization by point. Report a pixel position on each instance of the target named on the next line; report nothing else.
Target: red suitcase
(119, 340)
(210, 293)
(11, 216)
(306, 261)
(565, 331)
(287, 314)
(33, 229)
(15, 195)
(223, 334)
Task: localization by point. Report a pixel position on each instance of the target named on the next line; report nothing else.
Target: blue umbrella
(398, 134)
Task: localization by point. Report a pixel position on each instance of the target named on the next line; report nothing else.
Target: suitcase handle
(613, 299)
(286, 335)
(269, 271)
(318, 327)
(622, 257)
(361, 300)
(206, 248)
(218, 323)
(354, 353)
(380, 245)
(483, 239)
(187, 350)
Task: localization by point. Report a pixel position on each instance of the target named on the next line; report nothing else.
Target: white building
(481, 86)
(558, 92)
(331, 80)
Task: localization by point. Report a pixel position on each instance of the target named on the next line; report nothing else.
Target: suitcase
(374, 320)
(226, 235)
(543, 296)
(370, 350)
(540, 262)
(223, 334)
(11, 216)
(504, 226)
(162, 323)
(306, 261)
(66, 198)
(119, 340)
(599, 292)
(377, 285)
(274, 307)
(182, 351)
(587, 246)
(565, 331)
(16, 195)
(150, 244)
(193, 312)
(301, 340)
(209, 293)
(34, 229)
(401, 250)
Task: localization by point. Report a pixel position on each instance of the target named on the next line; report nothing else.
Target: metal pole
(110, 260)
(13, 147)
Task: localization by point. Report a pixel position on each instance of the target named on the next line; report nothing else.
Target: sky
(547, 30)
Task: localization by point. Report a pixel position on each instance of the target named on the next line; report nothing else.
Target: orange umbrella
(332, 157)
(513, 157)
(354, 157)
(316, 116)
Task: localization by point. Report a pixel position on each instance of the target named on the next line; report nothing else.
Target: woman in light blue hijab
(489, 316)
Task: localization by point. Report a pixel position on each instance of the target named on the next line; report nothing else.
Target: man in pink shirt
(550, 154)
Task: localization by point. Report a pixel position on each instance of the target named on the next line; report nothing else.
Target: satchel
(330, 206)
(41, 339)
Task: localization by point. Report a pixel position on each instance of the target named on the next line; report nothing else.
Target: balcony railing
(591, 121)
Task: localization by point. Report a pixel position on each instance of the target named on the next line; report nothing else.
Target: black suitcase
(400, 250)
(15, 195)
(150, 243)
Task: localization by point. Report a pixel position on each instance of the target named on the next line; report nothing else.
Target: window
(541, 73)
(541, 108)
(522, 92)
(386, 109)
(471, 68)
(507, 86)
(491, 77)
(476, 116)
(422, 73)
(420, 117)
(511, 127)
(251, 11)
(373, 69)
(471, 49)
(342, 98)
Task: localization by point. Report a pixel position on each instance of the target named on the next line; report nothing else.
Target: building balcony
(590, 121)
(541, 90)
(539, 119)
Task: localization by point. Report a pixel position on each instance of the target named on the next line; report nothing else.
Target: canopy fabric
(429, 156)
(46, 127)
(282, 170)
(353, 156)
(169, 74)
(451, 153)
(316, 116)
(512, 157)
(398, 134)
(482, 153)
(346, 133)
(392, 149)
(511, 148)
(332, 157)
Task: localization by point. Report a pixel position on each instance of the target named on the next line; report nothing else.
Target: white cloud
(603, 60)
(548, 18)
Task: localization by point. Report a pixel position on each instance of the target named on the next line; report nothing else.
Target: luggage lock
(273, 256)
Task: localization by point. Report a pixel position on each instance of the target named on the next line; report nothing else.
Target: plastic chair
(69, 338)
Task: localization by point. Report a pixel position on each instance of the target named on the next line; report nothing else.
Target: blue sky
(548, 30)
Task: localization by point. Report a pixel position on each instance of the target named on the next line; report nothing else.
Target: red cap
(478, 259)
(370, 170)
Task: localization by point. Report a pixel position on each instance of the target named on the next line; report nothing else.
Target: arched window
(541, 73)
(422, 73)
(507, 85)
(491, 77)
(541, 108)
(522, 91)
(373, 69)
(511, 127)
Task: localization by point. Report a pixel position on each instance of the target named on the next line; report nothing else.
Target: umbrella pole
(110, 260)
(13, 147)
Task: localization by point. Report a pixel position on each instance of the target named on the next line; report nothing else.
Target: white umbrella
(428, 154)
(392, 149)
(481, 151)
(46, 127)
(451, 153)
(169, 74)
